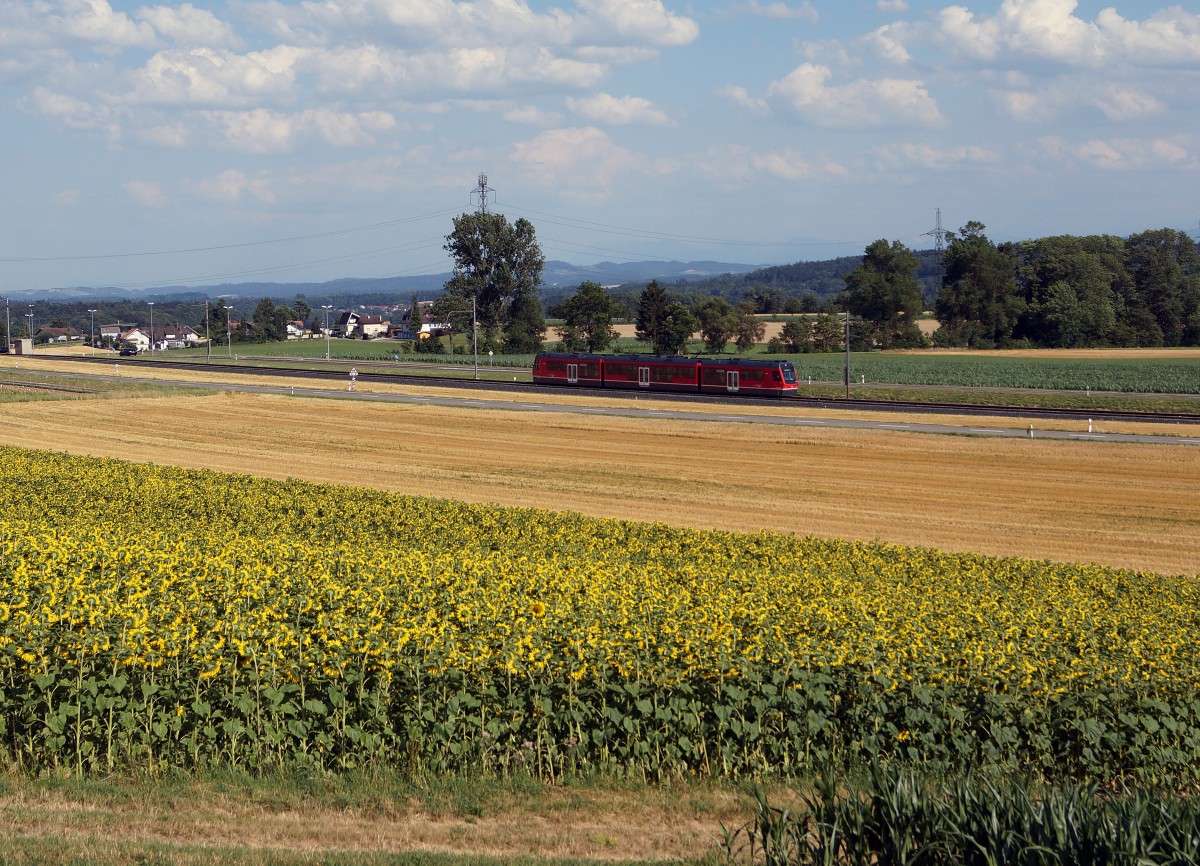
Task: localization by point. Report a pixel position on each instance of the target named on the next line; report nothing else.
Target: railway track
(391, 372)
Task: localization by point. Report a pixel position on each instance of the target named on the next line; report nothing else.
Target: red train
(754, 378)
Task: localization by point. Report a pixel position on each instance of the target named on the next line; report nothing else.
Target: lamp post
(207, 332)
(847, 353)
(326, 308)
(92, 336)
(229, 330)
(30, 315)
(475, 337)
(151, 303)
(7, 327)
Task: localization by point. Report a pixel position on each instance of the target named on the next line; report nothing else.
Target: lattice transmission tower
(939, 246)
(482, 189)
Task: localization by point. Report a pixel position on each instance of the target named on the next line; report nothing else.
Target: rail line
(377, 372)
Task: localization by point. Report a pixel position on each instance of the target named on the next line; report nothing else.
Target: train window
(623, 371)
(712, 376)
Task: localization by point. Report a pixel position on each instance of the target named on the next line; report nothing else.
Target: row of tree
(1070, 291)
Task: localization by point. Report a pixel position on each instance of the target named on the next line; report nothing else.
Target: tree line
(1062, 291)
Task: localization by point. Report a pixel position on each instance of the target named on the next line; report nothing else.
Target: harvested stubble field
(1122, 505)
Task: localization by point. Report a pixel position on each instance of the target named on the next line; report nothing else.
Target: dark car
(128, 350)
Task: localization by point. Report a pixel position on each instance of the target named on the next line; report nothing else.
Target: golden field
(1122, 505)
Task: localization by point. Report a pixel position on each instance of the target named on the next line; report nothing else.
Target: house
(166, 337)
(372, 326)
(114, 331)
(296, 330)
(135, 337)
(346, 325)
(428, 325)
(61, 335)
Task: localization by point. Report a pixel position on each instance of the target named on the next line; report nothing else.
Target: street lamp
(326, 308)
(7, 327)
(229, 330)
(92, 337)
(151, 303)
(30, 315)
(207, 332)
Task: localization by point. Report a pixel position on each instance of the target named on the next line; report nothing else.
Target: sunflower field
(155, 617)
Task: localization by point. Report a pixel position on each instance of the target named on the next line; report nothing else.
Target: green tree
(749, 329)
(303, 310)
(718, 323)
(979, 304)
(678, 325)
(794, 335)
(885, 293)
(499, 265)
(1165, 267)
(828, 333)
(526, 328)
(414, 315)
(267, 324)
(1073, 290)
(587, 319)
(651, 321)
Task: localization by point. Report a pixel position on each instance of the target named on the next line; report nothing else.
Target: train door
(643, 377)
(572, 374)
(731, 380)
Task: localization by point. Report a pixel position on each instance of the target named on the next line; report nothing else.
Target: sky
(202, 143)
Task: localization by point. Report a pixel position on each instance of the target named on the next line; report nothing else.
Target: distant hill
(555, 275)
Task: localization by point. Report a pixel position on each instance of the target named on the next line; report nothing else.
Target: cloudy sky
(198, 143)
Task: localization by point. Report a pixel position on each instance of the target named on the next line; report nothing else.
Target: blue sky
(198, 143)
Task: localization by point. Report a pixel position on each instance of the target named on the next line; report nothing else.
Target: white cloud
(146, 192)
(738, 95)
(1124, 154)
(187, 25)
(786, 165)
(930, 157)
(209, 76)
(859, 104)
(581, 160)
(1049, 30)
(1126, 103)
(891, 5)
(95, 22)
(68, 110)
(605, 108)
(264, 131)
(643, 21)
(804, 11)
(232, 186)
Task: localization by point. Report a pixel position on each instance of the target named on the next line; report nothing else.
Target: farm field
(1130, 506)
(1120, 505)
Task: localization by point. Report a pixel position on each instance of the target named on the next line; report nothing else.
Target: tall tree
(499, 265)
(268, 326)
(979, 304)
(652, 317)
(1165, 267)
(749, 329)
(678, 325)
(414, 315)
(526, 326)
(718, 323)
(587, 319)
(885, 293)
(1073, 290)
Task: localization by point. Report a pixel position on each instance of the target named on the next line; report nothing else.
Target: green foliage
(883, 292)
(587, 319)
(499, 265)
(896, 817)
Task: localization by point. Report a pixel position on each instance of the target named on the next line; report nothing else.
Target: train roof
(667, 359)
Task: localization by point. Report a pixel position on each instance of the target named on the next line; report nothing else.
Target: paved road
(722, 415)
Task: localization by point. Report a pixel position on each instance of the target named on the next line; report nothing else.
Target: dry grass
(1124, 505)
(569, 823)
